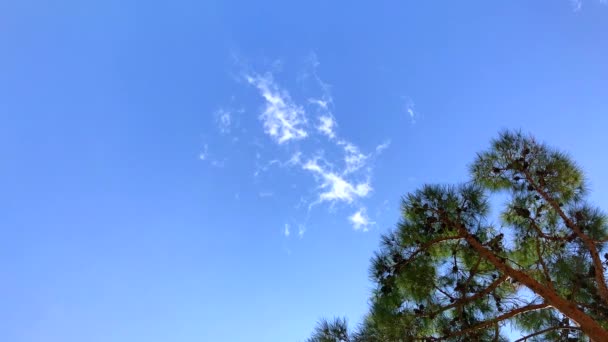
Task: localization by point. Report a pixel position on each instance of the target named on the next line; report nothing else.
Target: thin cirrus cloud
(224, 120)
(326, 126)
(410, 109)
(383, 146)
(360, 220)
(577, 5)
(206, 156)
(353, 158)
(205, 153)
(342, 180)
(287, 230)
(334, 187)
(301, 230)
(283, 120)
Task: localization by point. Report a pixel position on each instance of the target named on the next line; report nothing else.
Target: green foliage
(331, 331)
(448, 273)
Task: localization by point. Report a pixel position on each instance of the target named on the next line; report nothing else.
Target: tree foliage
(448, 273)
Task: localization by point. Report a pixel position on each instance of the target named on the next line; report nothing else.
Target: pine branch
(544, 331)
(511, 314)
(472, 273)
(544, 266)
(587, 241)
(423, 248)
(550, 237)
(587, 323)
(476, 296)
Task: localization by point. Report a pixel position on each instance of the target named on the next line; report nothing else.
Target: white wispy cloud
(205, 153)
(283, 120)
(360, 220)
(322, 103)
(343, 175)
(327, 122)
(383, 146)
(335, 187)
(577, 5)
(294, 160)
(325, 87)
(224, 120)
(286, 231)
(353, 158)
(410, 108)
(326, 126)
(208, 157)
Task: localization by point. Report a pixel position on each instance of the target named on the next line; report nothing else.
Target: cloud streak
(380, 148)
(334, 186)
(410, 109)
(360, 220)
(207, 157)
(224, 120)
(345, 176)
(205, 153)
(283, 120)
(326, 126)
(353, 158)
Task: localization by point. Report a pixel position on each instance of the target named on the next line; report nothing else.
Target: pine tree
(447, 273)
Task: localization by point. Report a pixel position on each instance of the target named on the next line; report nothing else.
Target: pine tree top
(448, 272)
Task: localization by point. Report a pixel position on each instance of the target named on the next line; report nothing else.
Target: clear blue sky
(221, 171)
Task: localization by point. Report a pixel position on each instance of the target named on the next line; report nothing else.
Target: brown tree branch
(544, 266)
(477, 295)
(587, 241)
(513, 313)
(443, 292)
(544, 331)
(472, 273)
(424, 247)
(592, 328)
(549, 237)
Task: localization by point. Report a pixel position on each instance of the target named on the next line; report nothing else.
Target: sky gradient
(221, 170)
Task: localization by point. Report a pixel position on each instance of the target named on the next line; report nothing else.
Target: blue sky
(221, 170)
